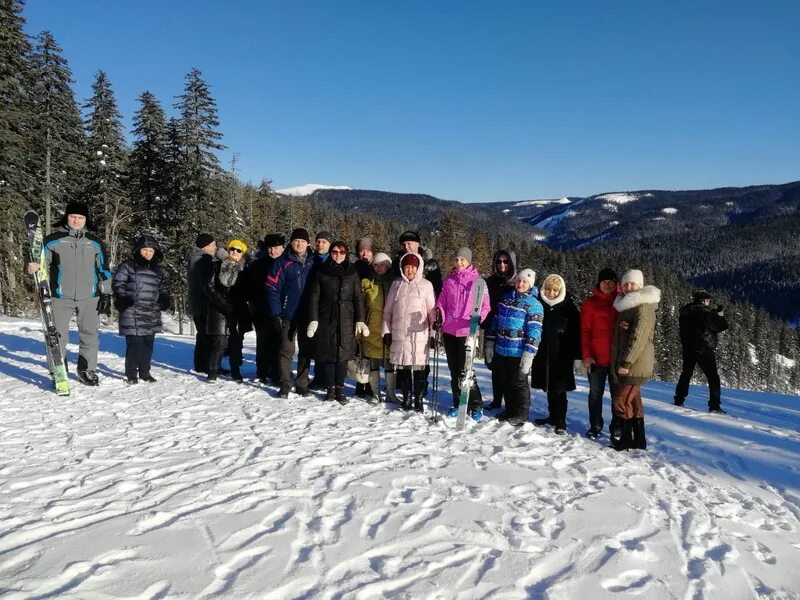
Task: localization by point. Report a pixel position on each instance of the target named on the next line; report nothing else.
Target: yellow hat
(238, 244)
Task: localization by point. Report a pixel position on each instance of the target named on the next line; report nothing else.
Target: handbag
(358, 368)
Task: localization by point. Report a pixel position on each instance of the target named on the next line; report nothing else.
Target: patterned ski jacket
(517, 324)
(76, 263)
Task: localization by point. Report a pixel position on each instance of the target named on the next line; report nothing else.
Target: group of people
(387, 313)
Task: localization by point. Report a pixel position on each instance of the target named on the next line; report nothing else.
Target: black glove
(164, 301)
(387, 339)
(437, 320)
(277, 323)
(121, 302)
(104, 305)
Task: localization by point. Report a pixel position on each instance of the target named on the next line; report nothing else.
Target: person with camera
(699, 325)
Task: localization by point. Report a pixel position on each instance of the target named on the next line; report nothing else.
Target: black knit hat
(701, 295)
(410, 236)
(77, 208)
(203, 240)
(299, 234)
(325, 235)
(607, 273)
(274, 239)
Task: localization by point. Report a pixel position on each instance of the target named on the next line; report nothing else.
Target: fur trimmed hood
(561, 295)
(649, 294)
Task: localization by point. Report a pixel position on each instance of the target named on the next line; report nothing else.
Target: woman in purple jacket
(455, 304)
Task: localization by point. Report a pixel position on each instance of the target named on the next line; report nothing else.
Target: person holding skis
(559, 353)
(288, 305)
(498, 284)
(455, 305)
(597, 327)
(336, 317)
(699, 325)
(75, 262)
(632, 358)
(140, 294)
(512, 341)
(408, 315)
(375, 289)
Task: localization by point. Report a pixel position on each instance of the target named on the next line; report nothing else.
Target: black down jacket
(140, 291)
(553, 364)
(337, 303)
(699, 325)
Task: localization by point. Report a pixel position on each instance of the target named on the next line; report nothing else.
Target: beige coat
(633, 347)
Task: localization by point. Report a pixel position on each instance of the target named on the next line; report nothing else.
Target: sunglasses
(338, 252)
(235, 249)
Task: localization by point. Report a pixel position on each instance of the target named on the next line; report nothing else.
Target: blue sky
(471, 101)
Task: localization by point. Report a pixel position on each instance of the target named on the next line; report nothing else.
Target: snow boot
(639, 440)
(340, 396)
(212, 377)
(236, 375)
(331, 393)
(88, 378)
(374, 387)
(391, 386)
(148, 378)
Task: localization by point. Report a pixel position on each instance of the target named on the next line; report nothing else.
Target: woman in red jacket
(597, 328)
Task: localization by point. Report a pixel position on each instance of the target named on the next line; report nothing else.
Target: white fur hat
(634, 276)
(381, 257)
(528, 275)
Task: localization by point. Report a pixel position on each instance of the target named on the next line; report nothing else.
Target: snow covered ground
(180, 489)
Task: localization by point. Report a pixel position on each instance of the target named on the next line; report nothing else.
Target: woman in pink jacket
(407, 317)
(455, 303)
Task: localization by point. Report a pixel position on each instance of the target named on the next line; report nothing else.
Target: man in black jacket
(199, 273)
(699, 326)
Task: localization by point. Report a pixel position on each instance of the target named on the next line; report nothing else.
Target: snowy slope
(181, 489)
(310, 188)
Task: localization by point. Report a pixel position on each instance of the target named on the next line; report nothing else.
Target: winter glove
(387, 339)
(525, 363)
(104, 305)
(362, 329)
(437, 320)
(121, 302)
(277, 323)
(312, 328)
(164, 301)
(432, 342)
(488, 352)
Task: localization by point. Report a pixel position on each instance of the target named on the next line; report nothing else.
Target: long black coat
(140, 292)
(337, 303)
(553, 364)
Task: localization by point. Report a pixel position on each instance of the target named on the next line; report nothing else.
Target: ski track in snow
(181, 489)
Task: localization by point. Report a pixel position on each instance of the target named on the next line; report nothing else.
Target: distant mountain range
(745, 241)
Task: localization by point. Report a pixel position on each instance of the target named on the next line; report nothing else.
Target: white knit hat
(633, 276)
(381, 257)
(528, 275)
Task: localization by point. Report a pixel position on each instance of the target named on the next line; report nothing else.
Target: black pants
(268, 349)
(235, 345)
(202, 344)
(557, 407)
(498, 388)
(412, 382)
(513, 385)
(456, 350)
(217, 346)
(333, 372)
(708, 365)
(138, 354)
(289, 332)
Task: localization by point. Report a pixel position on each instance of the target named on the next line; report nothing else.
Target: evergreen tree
(200, 166)
(106, 162)
(16, 174)
(58, 140)
(148, 167)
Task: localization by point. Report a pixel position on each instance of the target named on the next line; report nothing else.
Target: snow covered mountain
(310, 188)
(180, 489)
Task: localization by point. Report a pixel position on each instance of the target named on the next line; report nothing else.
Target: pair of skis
(55, 359)
(467, 379)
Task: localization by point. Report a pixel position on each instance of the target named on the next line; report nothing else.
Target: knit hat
(465, 253)
(633, 276)
(381, 257)
(607, 274)
(324, 235)
(299, 234)
(77, 208)
(237, 244)
(701, 295)
(528, 275)
(203, 240)
(410, 236)
(409, 259)
(274, 239)
(365, 243)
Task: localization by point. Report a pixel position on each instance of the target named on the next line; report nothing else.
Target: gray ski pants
(88, 323)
